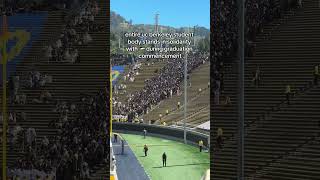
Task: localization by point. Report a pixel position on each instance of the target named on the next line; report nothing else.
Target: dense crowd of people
(225, 36)
(76, 33)
(163, 85)
(30, 80)
(81, 142)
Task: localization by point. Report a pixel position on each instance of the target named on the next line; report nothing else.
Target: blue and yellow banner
(116, 72)
(23, 30)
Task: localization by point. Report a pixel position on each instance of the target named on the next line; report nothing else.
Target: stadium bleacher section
(279, 138)
(160, 87)
(78, 91)
(24, 29)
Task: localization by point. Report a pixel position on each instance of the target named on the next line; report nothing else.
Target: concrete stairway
(48, 31)
(287, 57)
(146, 72)
(199, 79)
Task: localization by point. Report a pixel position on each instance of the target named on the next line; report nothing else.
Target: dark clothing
(164, 160)
(144, 133)
(122, 147)
(219, 142)
(200, 147)
(315, 80)
(145, 151)
(288, 98)
(319, 128)
(115, 138)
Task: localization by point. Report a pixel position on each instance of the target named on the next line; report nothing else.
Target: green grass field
(184, 162)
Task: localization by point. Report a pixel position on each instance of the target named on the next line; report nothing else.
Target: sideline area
(128, 167)
(183, 161)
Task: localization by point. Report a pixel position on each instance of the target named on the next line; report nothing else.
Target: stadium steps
(301, 164)
(101, 171)
(299, 128)
(198, 117)
(46, 35)
(146, 72)
(271, 133)
(199, 79)
(69, 81)
(194, 110)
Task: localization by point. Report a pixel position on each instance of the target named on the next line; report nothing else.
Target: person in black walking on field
(145, 149)
(164, 160)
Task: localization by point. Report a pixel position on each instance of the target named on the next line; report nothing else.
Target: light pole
(185, 97)
(185, 94)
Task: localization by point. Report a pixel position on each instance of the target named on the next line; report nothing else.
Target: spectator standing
(200, 145)
(227, 100)
(145, 149)
(11, 89)
(164, 159)
(288, 93)
(319, 128)
(300, 3)
(115, 138)
(219, 138)
(122, 146)
(144, 133)
(256, 78)
(316, 75)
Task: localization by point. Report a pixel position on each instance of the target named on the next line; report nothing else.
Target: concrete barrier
(166, 132)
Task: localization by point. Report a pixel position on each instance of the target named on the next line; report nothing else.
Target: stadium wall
(161, 131)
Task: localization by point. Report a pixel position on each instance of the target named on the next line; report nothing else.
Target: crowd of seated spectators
(225, 36)
(31, 80)
(163, 85)
(64, 49)
(81, 142)
(258, 13)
